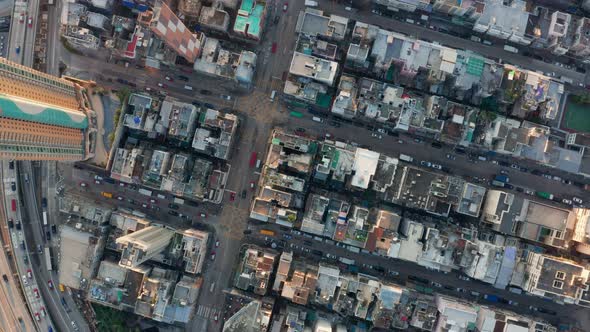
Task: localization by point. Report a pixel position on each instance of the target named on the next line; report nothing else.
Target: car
(450, 156)
(226, 97)
(18, 225)
(462, 277)
(436, 284)
(169, 79)
(381, 130)
(37, 317)
(50, 284)
(513, 303)
(30, 274)
(5, 277)
(287, 236)
(437, 166)
(83, 184)
(244, 193)
(577, 200)
(30, 22)
(212, 256)
(334, 124)
(147, 88)
(392, 272)
(436, 145)
(143, 205)
(173, 206)
(74, 326)
(183, 78)
(232, 196)
(13, 186)
(120, 198)
(43, 313)
(203, 215)
(97, 182)
(173, 213)
(285, 7)
(273, 48)
(567, 201)
(503, 172)
(162, 85)
(216, 317)
(508, 186)
(529, 192)
(22, 17)
(25, 281)
(153, 201)
(426, 163)
(36, 291)
(39, 249)
(519, 189)
(252, 185)
(205, 92)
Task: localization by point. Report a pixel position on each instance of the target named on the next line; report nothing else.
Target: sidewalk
(101, 153)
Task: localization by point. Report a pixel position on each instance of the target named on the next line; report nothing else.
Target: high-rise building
(142, 245)
(42, 117)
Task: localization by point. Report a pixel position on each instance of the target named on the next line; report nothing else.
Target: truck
(491, 298)
(253, 158)
(497, 183)
(310, 3)
(179, 201)
(13, 205)
(502, 178)
(267, 232)
(45, 218)
(544, 195)
(48, 259)
(510, 49)
(107, 194)
(145, 192)
(296, 114)
(406, 158)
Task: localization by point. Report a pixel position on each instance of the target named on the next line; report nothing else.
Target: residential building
(554, 278)
(405, 5)
(81, 37)
(169, 28)
(255, 270)
(455, 315)
(250, 19)
(215, 134)
(177, 119)
(504, 21)
(581, 43)
(215, 17)
(469, 9)
(320, 70)
(141, 246)
(43, 117)
(194, 247)
(253, 317)
(313, 23)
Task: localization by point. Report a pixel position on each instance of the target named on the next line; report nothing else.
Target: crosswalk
(207, 312)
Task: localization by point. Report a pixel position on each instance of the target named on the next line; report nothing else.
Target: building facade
(42, 117)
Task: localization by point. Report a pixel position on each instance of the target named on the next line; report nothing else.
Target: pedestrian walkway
(207, 312)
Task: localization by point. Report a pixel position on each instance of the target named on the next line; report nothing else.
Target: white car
(381, 130)
(567, 201)
(577, 200)
(436, 166)
(25, 281)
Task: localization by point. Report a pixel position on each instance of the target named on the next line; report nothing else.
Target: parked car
(578, 200)
(567, 201)
(426, 163)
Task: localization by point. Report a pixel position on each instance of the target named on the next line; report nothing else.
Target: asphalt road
(35, 236)
(304, 246)
(421, 32)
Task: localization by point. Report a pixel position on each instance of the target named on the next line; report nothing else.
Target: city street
(564, 313)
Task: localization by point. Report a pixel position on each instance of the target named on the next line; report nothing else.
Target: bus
(45, 218)
(267, 232)
(145, 192)
(48, 259)
(253, 159)
(13, 205)
(296, 114)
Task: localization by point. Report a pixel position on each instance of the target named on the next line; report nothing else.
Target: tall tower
(42, 117)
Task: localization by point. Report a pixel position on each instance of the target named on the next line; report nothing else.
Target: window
(558, 284)
(560, 275)
(558, 234)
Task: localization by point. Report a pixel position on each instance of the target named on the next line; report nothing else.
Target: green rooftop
(249, 18)
(475, 66)
(38, 113)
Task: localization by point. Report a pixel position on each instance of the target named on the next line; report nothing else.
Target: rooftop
(321, 70)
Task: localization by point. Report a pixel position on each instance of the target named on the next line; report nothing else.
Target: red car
(232, 196)
(37, 316)
(50, 283)
(274, 48)
(36, 291)
(22, 18)
(213, 256)
(252, 185)
(285, 7)
(168, 78)
(216, 317)
(83, 184)
(216, 243)
(162, 85)
(30, 274)
(30, 22)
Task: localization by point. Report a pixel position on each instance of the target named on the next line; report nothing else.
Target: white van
(272, 95)
(316, 119)
(188, 87)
